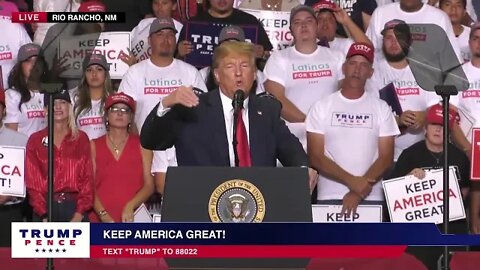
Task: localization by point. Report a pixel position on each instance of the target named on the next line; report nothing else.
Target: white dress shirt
(228, 115)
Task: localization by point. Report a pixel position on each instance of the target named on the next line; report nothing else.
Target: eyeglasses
(117, 110)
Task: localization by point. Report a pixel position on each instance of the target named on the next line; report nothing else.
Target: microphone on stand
(237, 103)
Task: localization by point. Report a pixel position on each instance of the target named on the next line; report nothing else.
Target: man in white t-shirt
(469, 101)
(351, 136)
(328, 14)
(161, 8)
(13, 37)
(412, 12)
(304, 73)
(150, 80)
(455, 10)
(394, 68)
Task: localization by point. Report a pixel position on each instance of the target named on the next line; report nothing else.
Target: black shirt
(135, 11)
(238, 17)
(418, 156)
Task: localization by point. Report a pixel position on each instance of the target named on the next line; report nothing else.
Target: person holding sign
(467, 101)
(23, 99)
(427, 155)
(10, 207)
(350, 137)
(395, 69)
(201, 126)
(222, 12)
(300, 75)
(122, 167)
(73, 176)
(89, 97)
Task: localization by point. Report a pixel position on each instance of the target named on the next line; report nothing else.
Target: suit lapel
(219, 131)
(255, 119)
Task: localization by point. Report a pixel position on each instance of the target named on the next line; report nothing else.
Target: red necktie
(243, 150)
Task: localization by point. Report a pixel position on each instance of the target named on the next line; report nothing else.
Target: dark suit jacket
(200, 138)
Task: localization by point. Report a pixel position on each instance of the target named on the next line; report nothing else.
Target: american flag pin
(259, 112)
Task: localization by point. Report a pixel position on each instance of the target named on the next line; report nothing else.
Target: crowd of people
(315, 104)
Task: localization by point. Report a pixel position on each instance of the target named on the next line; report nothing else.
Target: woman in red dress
(122, 167)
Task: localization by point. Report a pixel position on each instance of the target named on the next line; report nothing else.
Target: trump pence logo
(50, 240)
(236, 201)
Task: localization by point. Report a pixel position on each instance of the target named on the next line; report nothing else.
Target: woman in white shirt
(89, 97)
(24, 102)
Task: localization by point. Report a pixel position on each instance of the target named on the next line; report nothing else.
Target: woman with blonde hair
(89, 97)
(73, 174)
(122, 167)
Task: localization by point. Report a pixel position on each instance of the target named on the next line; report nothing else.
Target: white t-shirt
(352, 129)
(469, 100)
(411, 96)
(469, 8)
(463, 43)
(163, 159)
(260, 78)
(341, 44)
(90, 121)
(306, 78)
(426, 15)
(139, 35)
(31, 116)
(147, 83)
(13, 37)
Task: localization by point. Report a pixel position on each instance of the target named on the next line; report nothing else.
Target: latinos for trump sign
(12, 171)
(410, 199)
(332, 213)
(113, 45)
(276, 24)
(475, 161)
(50, 240)
(204, 38)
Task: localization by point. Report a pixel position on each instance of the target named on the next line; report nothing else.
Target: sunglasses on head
(122, 110)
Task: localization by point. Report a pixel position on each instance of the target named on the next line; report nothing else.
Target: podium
(226, 194)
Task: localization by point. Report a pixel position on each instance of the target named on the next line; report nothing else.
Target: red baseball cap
(120, 98)
(324, 4)
(363, 49)
(92, 6)
(435, 115)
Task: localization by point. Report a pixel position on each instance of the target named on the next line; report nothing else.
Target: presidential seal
(236, 201)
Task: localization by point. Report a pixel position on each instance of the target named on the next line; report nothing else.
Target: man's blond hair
(233, 47)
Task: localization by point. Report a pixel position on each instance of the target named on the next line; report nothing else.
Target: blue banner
(204, 38)
(274, 234)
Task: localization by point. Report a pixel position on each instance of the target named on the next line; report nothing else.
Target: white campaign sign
(12, 171)
(113, 45)
(276, 24)
(410, 199)
(332, 213)
(50, 240)
(142, 215)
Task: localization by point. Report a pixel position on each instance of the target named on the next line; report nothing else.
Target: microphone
(237, 101)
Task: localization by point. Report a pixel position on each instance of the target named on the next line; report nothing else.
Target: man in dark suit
(201, 126)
